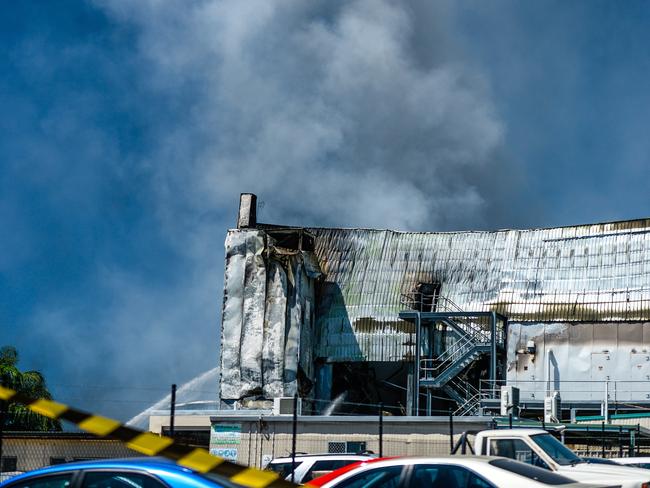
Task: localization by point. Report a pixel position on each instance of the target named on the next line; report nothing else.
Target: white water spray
(194, 391)
(336, 403)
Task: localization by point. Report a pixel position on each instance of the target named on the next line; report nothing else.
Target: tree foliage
(30, 383)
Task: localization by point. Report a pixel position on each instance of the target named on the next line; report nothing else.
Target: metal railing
(470, 394)
(616, 391)
(480, 330)
(432, 367)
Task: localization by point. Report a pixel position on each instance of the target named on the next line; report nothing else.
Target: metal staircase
(461, 339)
(466, 396)
(451, 367)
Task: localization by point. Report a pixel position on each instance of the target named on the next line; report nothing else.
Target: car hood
(590, 471)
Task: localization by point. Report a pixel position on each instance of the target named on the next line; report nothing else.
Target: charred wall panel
(591, 273)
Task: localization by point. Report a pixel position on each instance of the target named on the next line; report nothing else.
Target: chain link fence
(254, 440)
(25, 451)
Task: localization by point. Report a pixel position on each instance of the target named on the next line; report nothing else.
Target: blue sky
(128, 130)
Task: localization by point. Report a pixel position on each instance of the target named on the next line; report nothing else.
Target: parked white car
(309, 466)
(447, 472)
(635, 462)
(541, 449)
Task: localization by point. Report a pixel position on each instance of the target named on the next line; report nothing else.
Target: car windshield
(558, 451)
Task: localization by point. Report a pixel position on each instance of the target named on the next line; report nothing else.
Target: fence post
(172, 411)
(510, 420)
(638, 439)
(620, 441)
(381, 429)
(451, 431)
(293, 436)
(602, 425)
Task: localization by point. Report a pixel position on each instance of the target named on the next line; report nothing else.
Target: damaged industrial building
(424, 322)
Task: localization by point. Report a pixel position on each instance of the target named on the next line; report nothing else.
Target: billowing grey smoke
(335, 113)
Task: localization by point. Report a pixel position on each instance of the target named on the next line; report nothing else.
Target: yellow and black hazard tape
(150, 444)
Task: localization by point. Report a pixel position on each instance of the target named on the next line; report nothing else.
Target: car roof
(321, 480)
(326, 455)
(409, 460)
(512, 432)
(126, 463)
(642, 459)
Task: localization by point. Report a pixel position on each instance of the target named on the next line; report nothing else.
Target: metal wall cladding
(584, 362)
(267, 320)
(589, 273)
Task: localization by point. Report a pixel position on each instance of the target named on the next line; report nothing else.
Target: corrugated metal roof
(587, 273)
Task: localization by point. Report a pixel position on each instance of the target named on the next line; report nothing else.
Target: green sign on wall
(225, 434)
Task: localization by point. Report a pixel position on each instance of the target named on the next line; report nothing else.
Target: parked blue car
(118, 473)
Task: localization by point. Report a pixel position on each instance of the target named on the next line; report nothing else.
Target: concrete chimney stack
(247, 211)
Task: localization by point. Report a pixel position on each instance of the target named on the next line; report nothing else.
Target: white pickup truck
(539, 448)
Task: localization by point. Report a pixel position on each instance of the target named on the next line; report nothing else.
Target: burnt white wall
(579, 359)
(268, 316)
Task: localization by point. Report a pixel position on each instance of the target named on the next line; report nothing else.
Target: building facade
(316, 312)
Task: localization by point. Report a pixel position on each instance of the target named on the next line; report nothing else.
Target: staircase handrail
(449, 355)
(470, 393)
(445, 304)
(469, 407)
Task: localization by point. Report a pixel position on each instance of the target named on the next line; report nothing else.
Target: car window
(444, 476)
(118, 479)
(326, 465)
(531, 472)
(54, 481)
(383, 477)
(560, 453)
(516, 449)
(283, 469)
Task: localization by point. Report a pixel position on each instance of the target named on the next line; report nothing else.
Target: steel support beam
(416, 376)
(493, 350)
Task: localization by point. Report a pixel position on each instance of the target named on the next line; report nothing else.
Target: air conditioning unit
(509, 400)
(553, 407)
(284, 406)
